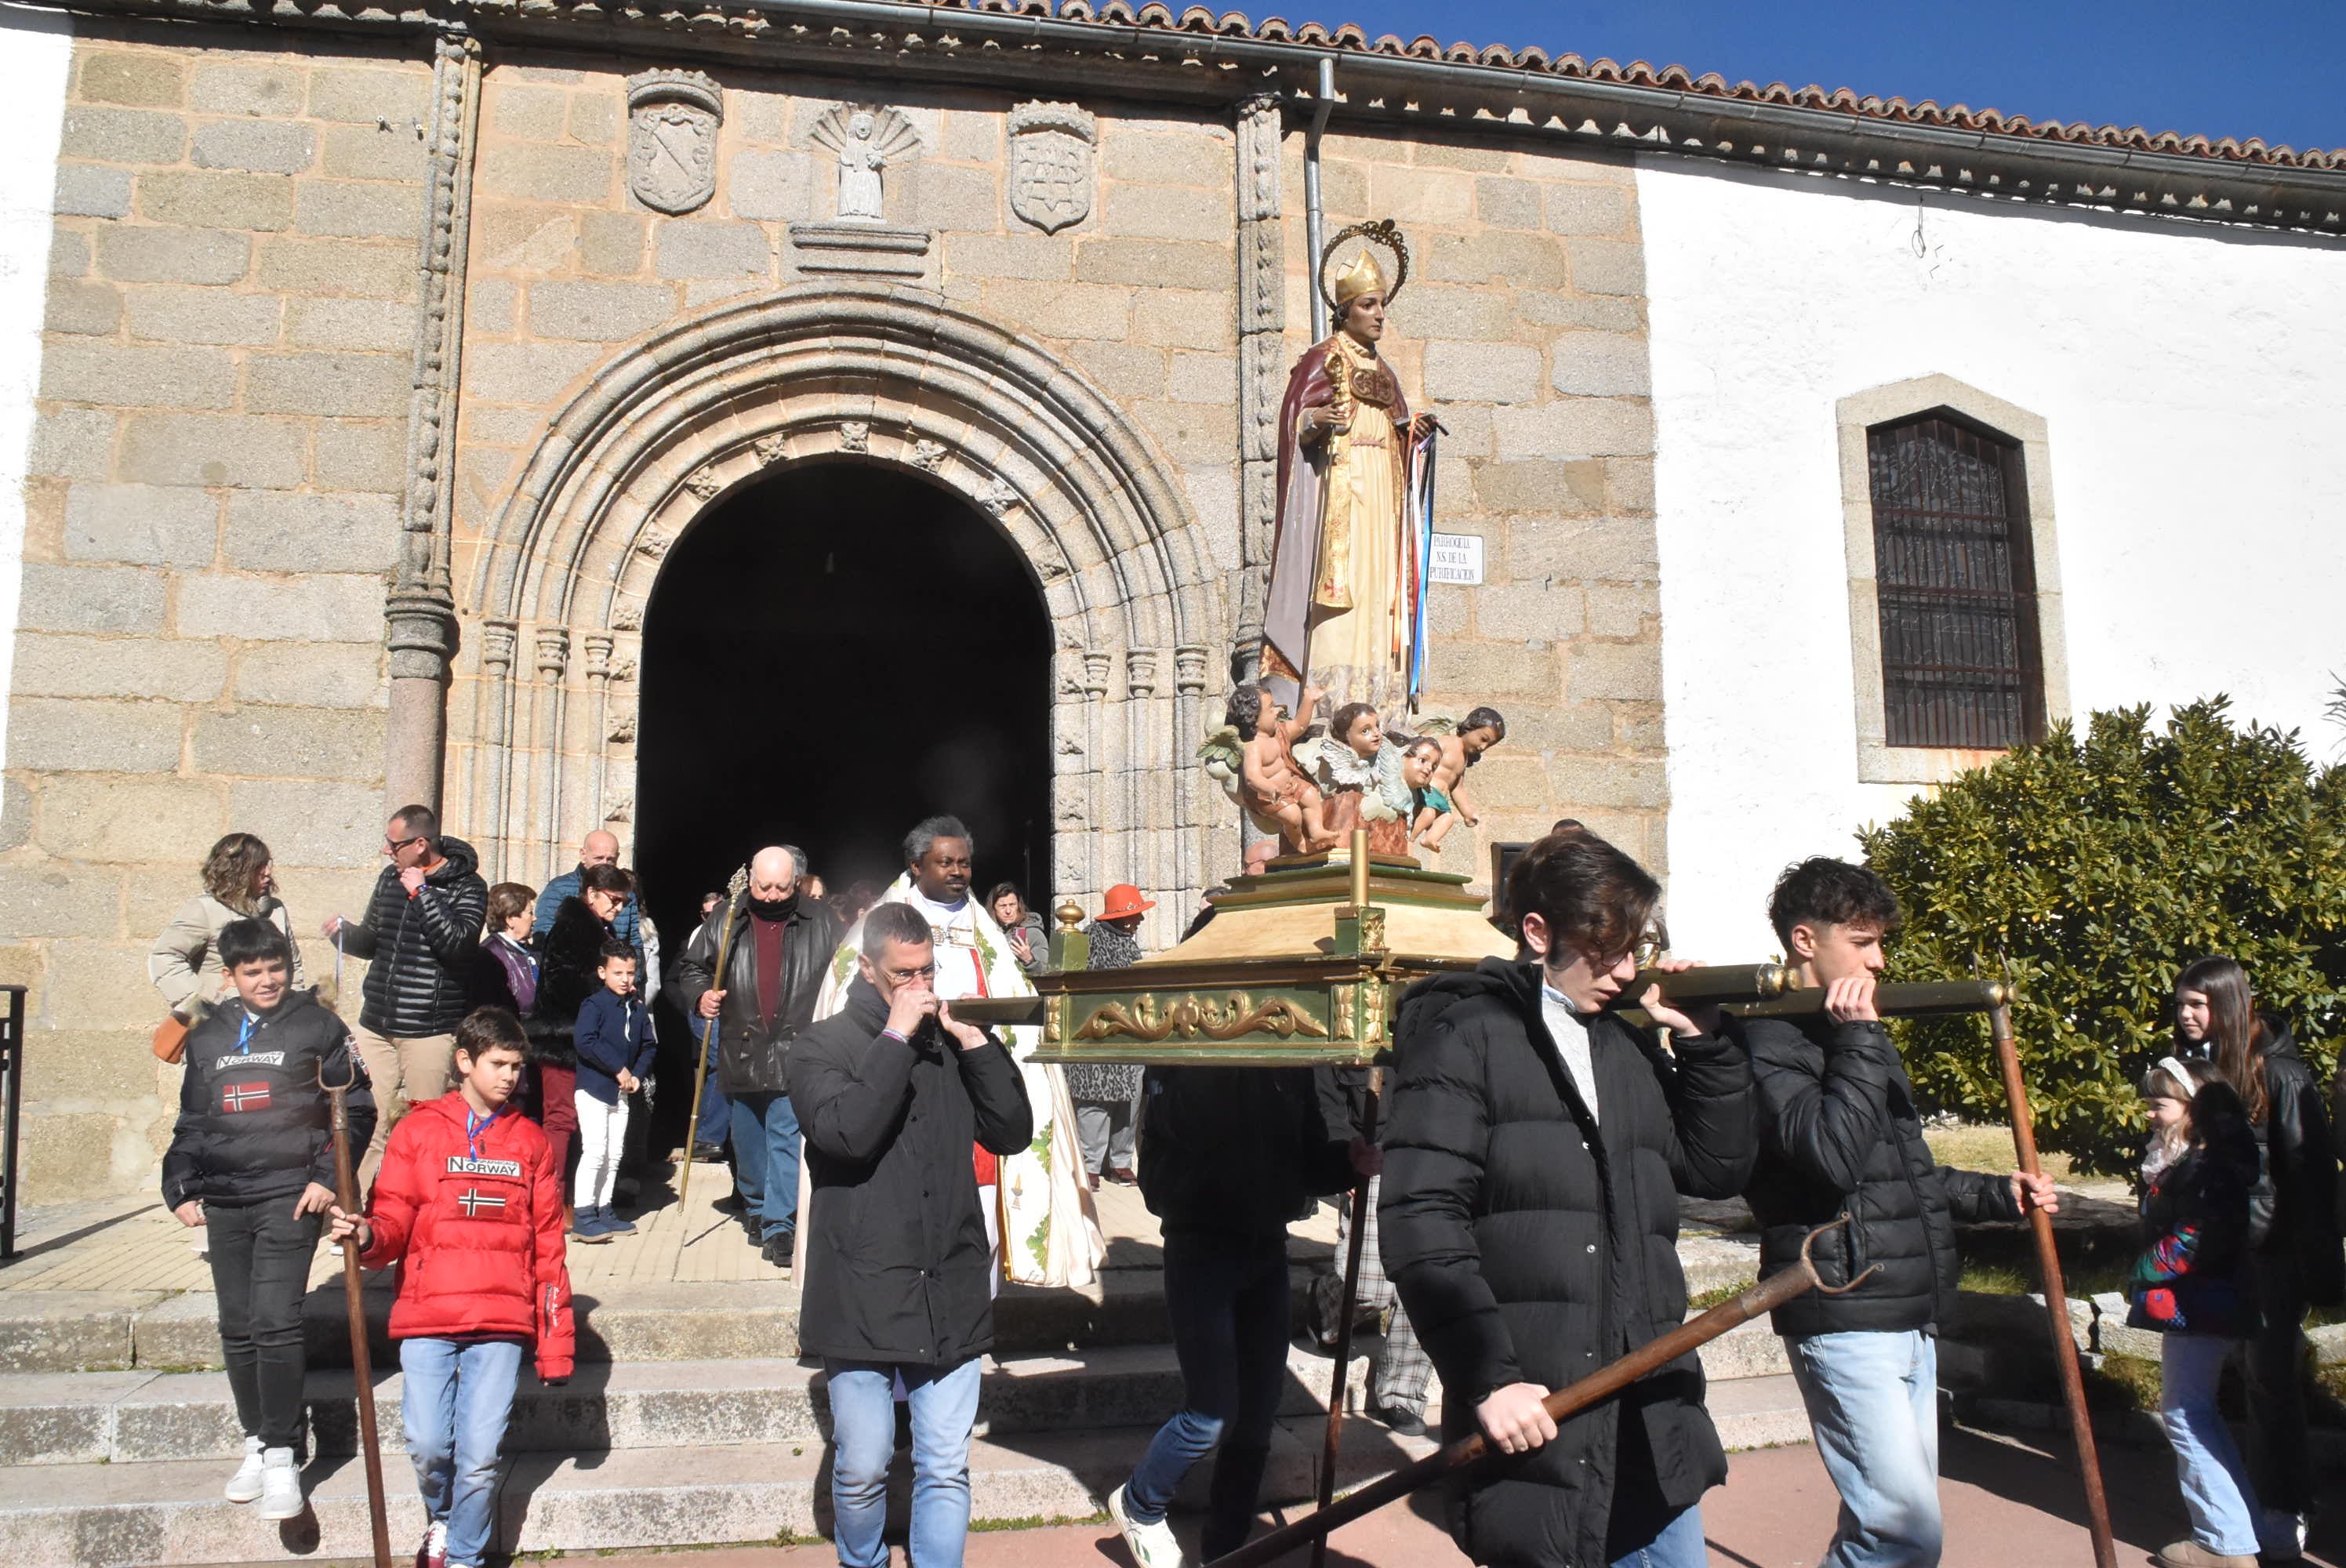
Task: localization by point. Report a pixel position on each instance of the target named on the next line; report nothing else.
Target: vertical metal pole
(1344, 1322)
(1314, 227)
(16, 1074)
(2056, 1299)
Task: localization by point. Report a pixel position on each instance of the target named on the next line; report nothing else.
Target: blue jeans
(1873, 1404)
(766, 1159)
(943, 1401)
(1679, 1545)
(716, 1111)
(1227, 1298)
(455, 1400)
(2217, 1492)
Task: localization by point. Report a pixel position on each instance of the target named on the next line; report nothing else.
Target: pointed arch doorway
(829, 655)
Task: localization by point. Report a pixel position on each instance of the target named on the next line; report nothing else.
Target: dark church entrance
(829, 657)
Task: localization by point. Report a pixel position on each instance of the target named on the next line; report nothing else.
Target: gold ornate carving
(1191, 1016)
(1374, 994)
(1373, 930)
(1054, 1019)
(1344, 1010)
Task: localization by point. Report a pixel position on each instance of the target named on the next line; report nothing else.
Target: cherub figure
(1253, 757)
(1444, 794)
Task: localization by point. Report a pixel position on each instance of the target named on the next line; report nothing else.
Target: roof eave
(952, 44)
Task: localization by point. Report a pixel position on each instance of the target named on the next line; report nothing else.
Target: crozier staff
(1529, 1216)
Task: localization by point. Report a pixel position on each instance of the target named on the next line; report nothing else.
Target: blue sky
(2272, 69)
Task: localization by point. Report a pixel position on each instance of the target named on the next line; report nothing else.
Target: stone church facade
(385, 354)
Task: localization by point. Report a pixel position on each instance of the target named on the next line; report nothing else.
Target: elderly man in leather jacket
(762, 990)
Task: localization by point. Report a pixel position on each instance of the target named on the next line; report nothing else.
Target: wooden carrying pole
(2056, 1299)
(346, 1195)
(1601, 1384)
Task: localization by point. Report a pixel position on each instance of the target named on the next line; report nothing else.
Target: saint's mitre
(1363, 276)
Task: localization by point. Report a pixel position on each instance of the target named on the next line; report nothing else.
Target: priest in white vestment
(1038, 1208)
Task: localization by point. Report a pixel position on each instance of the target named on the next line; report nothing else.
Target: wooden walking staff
(2056, 1299)
(734, 888)
(1359, 1225)
(1603, 1383)
(346, 1195)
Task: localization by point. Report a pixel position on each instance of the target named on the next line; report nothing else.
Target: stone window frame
(1878, 762)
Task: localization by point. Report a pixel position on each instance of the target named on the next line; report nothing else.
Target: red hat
(1124, 900)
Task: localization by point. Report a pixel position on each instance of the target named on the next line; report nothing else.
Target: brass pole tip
(1070, 915)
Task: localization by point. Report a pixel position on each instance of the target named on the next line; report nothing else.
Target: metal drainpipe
(1313, 225)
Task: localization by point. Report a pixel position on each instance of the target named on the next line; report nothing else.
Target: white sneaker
(244, 1486)
(1151, 1545)
(280, 1485)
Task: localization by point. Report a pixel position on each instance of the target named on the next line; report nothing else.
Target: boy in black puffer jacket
(1839, 1137)
(252, 1160)
(1529, 1216)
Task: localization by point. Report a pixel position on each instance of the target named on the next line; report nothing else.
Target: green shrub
(2098, 869)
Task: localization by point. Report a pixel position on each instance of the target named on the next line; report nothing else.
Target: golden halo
(1382, 232)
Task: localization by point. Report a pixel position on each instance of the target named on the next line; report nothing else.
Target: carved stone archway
(881, 375)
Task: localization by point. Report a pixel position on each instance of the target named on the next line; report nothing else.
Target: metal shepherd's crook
(2056, 1299)
(346, 1195)
(734, 890)
(1607, 1381)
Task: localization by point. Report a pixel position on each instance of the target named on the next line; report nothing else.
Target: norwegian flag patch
(236, 1098)
(474, 1201)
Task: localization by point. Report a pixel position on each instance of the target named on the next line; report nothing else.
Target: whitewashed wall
(2193, 380)
(35, 57)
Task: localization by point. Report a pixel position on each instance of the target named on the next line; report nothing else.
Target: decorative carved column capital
(599, 655)
(1190, 670)
(553, 651)
(499, 635)
(1096, 668)
(1140, 672)
(420, 631)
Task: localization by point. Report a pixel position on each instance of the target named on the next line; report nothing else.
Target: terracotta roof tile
(1347, 37)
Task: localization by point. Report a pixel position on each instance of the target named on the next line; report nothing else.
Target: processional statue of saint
(1345, 609)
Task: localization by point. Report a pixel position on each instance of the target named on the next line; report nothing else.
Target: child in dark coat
(2204, 1205)
(615, 1045)
(252, 1161)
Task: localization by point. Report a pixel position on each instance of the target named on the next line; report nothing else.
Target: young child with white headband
(2205, 1203)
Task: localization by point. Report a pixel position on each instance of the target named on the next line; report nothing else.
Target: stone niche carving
(672, 120)
(1051, 165)
(867, 139)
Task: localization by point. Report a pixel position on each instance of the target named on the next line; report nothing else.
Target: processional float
(1305, 960)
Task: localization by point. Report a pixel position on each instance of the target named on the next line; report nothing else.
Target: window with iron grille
(1956, 583)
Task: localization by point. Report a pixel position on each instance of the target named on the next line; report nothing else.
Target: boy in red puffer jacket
(471, 1198)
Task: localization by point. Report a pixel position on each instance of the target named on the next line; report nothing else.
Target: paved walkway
(2008, 1506)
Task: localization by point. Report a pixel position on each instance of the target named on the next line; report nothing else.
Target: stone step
(135, 1515)
(85, 1330)
(58, 1419)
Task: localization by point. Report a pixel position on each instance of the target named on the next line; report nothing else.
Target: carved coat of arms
(672, 120)
(1051, 165)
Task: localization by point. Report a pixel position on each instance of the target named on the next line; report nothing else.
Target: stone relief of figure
(867, 139)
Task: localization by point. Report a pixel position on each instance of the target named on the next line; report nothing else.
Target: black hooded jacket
(254, 1125)
(1839, 1135)
(1531, 1241)
(569, 971)
(422, 947)
(1237, 1150)
(897, 1262)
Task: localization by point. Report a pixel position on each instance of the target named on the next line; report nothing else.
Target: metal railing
(12, 1105)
